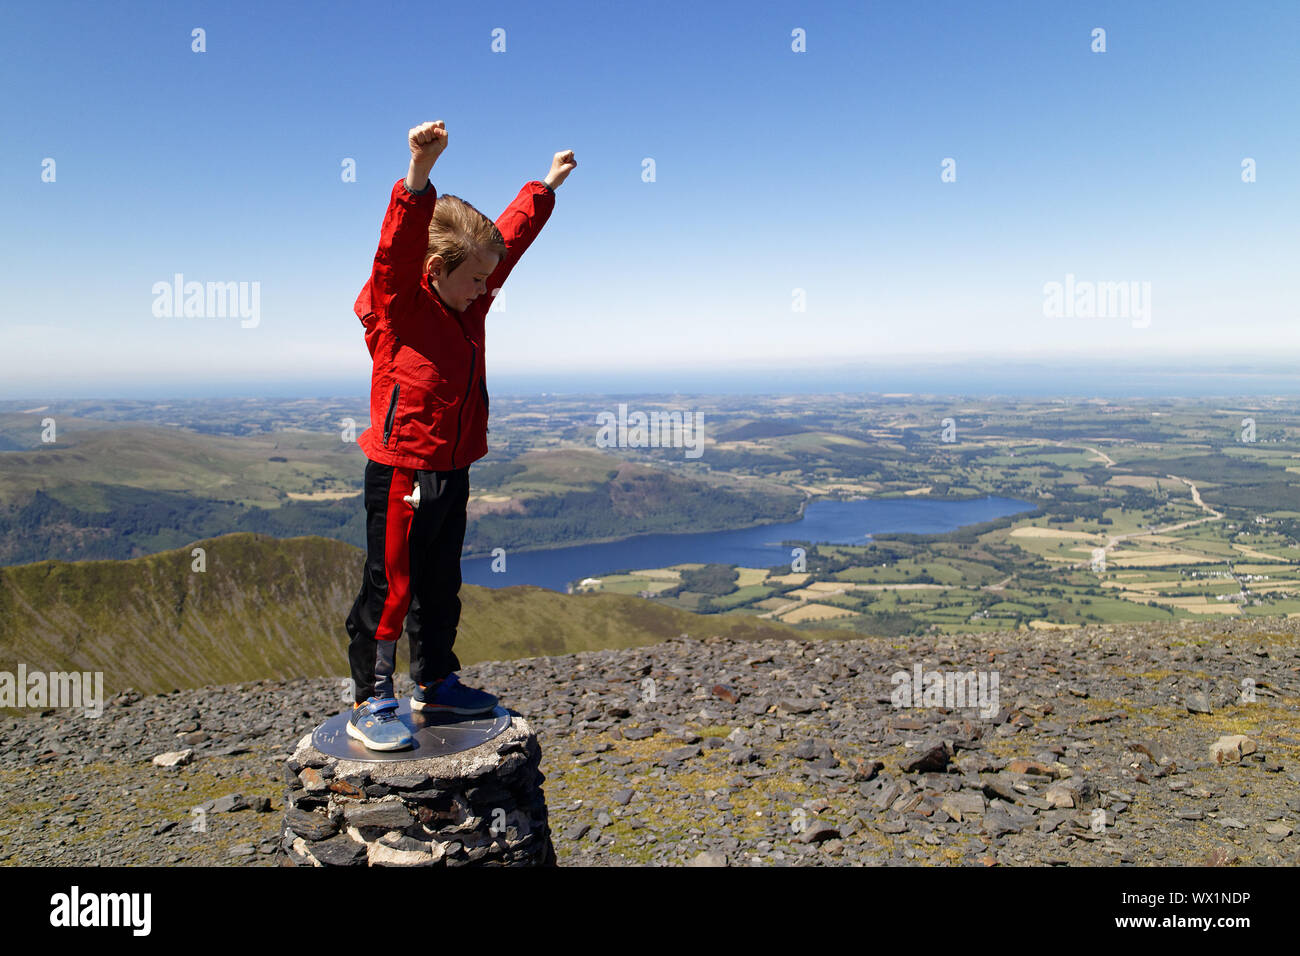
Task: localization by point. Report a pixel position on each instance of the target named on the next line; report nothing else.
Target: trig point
(467, 793)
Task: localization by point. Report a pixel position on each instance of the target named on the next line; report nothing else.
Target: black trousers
(411, 576)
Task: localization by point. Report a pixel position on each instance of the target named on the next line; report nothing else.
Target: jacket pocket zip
(392, 408)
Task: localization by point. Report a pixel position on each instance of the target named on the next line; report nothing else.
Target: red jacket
(428, 383)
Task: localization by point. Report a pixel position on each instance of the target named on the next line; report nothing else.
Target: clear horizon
(1073, 378)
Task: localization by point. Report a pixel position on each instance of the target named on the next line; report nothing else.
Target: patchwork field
(1142, 511)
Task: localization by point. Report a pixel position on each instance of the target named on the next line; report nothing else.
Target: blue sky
(775, 171)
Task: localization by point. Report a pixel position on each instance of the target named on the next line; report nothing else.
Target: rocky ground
(1141, 744)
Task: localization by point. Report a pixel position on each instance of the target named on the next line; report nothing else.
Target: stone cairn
(480, 807)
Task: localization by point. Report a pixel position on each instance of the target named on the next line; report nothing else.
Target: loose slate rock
(1078, 794)
(680, 753)
(816, 832)
(723, 692)
(864, 770)
(173, 758)
(1021, 765)
(310, 826)
(229, 803)
(963, 804)
(388, 815)
(930, 759)
(1231, 749)
(811, 749)
(339, 851)
(998, 821)
(577, 831)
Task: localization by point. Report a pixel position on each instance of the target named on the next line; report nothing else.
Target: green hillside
(274, 608)
(131, 490)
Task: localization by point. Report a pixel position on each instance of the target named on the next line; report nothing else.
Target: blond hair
(458, 231)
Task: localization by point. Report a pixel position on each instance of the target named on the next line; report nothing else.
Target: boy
(423, 311)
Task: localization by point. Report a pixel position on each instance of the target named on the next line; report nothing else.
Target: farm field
(1159, 510)
(1145, 514)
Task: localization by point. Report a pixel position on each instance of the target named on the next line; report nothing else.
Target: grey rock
(310, 826)
(576, 832)
(811, 749)
(963, 804)
(414, 781)
(927, 759)
(1072, 793)
(816, 832)
(797, 705)
(339, 851)
(389, 815)
(998, 820)
(886, 795)
(229, 803)
(679, 754)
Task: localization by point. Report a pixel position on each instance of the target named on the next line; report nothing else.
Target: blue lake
(824, 522)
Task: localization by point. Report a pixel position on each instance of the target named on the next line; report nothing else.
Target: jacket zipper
(392, 407)
(473, 361)
(482, 386)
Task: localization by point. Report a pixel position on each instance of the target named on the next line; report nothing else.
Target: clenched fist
(427, 141)
(561, 166)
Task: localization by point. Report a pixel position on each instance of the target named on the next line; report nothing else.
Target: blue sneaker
(375, 724)
(450, 696)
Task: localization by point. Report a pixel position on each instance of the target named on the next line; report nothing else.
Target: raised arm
(524, 217)
(404, 236)
(427, 141)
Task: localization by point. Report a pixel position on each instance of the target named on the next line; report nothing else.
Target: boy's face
(466, 282)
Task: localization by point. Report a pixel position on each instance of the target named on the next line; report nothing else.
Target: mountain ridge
(273, 608)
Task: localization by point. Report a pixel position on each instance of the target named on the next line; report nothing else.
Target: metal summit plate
(436, 734)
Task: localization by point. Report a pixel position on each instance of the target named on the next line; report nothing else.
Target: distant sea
(1100, 378)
